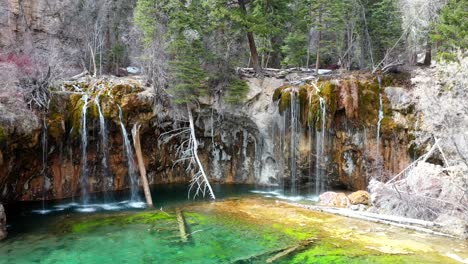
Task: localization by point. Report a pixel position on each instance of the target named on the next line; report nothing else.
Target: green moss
(90, 224)
(285, 101)
(388, 126)
(278, 92)
(55, 125)
(328, 92)
(369, 102)
(75, 111)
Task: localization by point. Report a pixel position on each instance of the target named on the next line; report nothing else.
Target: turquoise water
(241, 227)
(133, 235)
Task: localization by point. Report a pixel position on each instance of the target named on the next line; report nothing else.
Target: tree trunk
(141, 165)
(317, 62)
(428, 57)
(195, 153)
(250, 37)
(308, 49)
(93, 59)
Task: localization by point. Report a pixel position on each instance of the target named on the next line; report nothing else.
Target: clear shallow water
(228, 231)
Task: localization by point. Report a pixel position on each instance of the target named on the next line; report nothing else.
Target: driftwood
(277, 253)
(402, 222)
(76, 77)
(141, 165)
(181, 223)
(36, 91)
(276, 73)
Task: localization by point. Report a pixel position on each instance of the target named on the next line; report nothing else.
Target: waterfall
(104, 147)
(45, 150)
(84, 149)
(320, 150)
(381, 115)
(130, 161)
(294, 144)
(379, 123)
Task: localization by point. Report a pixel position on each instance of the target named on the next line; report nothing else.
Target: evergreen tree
(451, 32)
(384, 27)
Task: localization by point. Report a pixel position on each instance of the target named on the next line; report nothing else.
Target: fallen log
(181, 223)
(141, 165)
(402, 222)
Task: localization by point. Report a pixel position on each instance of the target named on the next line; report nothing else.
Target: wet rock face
(230, 144)
(355, 150)
(3, 232)
(238, 144)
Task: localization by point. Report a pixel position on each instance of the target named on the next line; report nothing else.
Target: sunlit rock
(359, 197)
(334, 199)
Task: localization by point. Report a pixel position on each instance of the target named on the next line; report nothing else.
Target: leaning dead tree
(188, 154)
(141, 165)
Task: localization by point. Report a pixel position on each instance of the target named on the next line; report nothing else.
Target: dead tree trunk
(200, 179)
(428, 57)
(319, 39)
(141, 165)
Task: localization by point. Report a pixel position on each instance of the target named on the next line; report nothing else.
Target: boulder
(3, 232)
(399, 97)
(359, 197)
(334, 199)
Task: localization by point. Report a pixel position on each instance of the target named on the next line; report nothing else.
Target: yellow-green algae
(88, 224)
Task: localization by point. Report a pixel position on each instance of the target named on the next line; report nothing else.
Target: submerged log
(288, 251)
(181, 223)
(141, 165)
(277, 253)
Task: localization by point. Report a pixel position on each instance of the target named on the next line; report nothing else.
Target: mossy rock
(278, 92)
(285, 101)
(369, 102)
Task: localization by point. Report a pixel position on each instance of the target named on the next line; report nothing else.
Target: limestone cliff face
(36, 166)
(338, 135)
(32, 24)
(248, 143)
(59, 33)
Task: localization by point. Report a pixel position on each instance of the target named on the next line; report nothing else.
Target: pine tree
(451, 32)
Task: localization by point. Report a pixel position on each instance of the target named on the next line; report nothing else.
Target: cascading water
(320, 150)
(45, 150)
(381, 115)
(84, 149)
(294, 144)
(379, 123)
(132, 172)
(104, 147)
